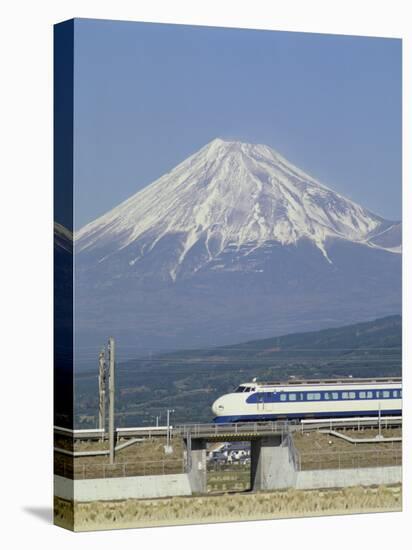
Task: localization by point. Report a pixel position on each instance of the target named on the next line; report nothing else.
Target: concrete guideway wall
(155, 486)
(323, 479)
(120, 488)
(197, 465)
(272, 468)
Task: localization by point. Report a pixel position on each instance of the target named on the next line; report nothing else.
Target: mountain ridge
(229, 194)
(382, 333)
(234, 243)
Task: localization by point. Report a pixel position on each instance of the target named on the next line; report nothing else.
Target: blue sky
(149, 95)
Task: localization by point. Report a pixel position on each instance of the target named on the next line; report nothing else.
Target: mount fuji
(234, 243)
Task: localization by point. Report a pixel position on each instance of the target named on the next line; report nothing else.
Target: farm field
(228, 478)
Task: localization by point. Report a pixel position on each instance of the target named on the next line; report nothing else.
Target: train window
(240, 389)
(386, 393)
(369, 394)
(345, 395)
(292, 397)
(395, 393)
(377, 394)
(362, 395)
(326, 395)
(335, 395)
(283, 397)
(352, 395)
(400, 393)
(314, 396)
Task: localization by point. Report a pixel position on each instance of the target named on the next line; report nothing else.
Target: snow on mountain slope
(390, 239)
(229, 194)
(63, 237)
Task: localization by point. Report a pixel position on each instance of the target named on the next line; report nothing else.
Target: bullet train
(300, 399)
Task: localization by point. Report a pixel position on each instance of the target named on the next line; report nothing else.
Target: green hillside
(385, 333)
(190, 380)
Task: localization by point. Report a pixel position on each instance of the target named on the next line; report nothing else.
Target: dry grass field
(223, 508)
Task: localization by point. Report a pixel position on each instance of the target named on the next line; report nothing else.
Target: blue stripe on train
(270, 397)
(300, 416)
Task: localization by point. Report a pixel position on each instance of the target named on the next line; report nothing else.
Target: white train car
(300, 399)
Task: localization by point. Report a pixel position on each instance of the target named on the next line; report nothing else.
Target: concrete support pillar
(196, 449)
(271, 467)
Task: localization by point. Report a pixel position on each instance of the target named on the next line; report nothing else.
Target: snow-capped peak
(231, 193)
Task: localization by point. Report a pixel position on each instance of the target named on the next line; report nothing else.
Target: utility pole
(102, 392)
(379, 421)
(168, 447)
(111, 348)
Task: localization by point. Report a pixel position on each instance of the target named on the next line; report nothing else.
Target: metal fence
(121, 469)
(348, 459)
(358, 457)
(360, 423)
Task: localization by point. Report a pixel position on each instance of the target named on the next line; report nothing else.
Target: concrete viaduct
(273, 463)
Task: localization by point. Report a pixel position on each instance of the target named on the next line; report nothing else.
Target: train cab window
(386, 393)
(292, 397)
(240, 389)
(283, 396)
(362, 395)
(335, 395)
(369, 394)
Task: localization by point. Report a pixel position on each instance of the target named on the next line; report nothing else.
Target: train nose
(217, 407)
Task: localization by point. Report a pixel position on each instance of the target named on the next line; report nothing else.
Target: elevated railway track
(234, 431)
